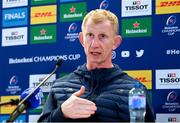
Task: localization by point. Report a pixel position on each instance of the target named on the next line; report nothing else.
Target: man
(97, 90)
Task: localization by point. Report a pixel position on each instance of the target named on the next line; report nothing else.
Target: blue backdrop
(34, 34)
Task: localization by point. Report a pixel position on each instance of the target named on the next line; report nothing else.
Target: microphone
(11, 102)
(32, 102)
(25, 102)
(35, 99)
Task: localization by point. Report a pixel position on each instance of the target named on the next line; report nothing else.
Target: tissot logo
(165, 7)
(34, 80)
(43, 14)
(14, 17)
(14, 3)
(168, 79)
(171, 77)
(104, 4)
(14, 36)
(136, 7)
(71, 12)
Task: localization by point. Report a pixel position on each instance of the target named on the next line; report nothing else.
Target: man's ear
(117, 41)
(81, 38)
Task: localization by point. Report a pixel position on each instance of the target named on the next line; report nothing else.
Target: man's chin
(96, 62)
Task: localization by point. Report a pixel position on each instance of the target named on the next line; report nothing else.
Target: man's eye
(90, 34)
(103, 36)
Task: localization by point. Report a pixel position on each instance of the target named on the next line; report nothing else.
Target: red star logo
(72, 9)
(43, 31)
(136, 24)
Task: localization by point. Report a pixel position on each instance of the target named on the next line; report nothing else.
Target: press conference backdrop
(34, 34)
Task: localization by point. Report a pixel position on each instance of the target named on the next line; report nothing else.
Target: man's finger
(80, 92)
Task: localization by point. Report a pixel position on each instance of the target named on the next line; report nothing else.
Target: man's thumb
(80, 92)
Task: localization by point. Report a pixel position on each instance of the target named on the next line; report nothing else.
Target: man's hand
(76, 107)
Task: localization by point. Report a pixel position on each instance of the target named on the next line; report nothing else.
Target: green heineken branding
(136, 27)
(36, 2)
(72, 12)
(43, 34)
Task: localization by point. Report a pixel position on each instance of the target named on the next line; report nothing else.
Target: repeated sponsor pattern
(35, 33)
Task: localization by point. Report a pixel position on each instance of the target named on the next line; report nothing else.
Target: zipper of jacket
(92, 95)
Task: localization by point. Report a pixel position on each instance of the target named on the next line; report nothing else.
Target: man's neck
(94, 66)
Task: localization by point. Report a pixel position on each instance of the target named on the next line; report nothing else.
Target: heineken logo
(128, 31)
(43, 34)
(75, 11)
(72, 15)
(72, 9)
(137, 27)
(136, 24)
(42, 37)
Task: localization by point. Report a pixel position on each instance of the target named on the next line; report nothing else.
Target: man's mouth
(95, 53)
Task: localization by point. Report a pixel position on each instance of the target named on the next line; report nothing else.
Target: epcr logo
(72, 28)
(104, 4)
(172, 96)
(171, 20)
(13, 80)
(113, 54)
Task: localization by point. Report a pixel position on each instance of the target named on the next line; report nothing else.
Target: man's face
(98, 41)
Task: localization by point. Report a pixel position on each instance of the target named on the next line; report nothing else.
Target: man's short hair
(99, 15)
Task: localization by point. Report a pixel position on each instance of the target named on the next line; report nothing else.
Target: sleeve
(51, 112)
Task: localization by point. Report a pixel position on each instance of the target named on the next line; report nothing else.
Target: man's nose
(95, 42)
